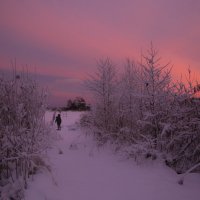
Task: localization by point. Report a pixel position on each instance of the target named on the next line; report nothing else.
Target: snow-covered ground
(79, 171)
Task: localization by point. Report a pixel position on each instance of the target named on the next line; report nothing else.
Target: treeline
(146, 111)
(23, 134)
(76, 104)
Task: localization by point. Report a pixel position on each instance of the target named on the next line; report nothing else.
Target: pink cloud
(70, 35)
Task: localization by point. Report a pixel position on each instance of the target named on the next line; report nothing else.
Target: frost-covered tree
(156, 91)
(103, 86)
(129, 99)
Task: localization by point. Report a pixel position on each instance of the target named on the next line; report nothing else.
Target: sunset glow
(62, 39)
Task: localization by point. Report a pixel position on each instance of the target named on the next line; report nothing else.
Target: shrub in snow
(22, 129)
(86, 119)
(143, 107)
(182, 138)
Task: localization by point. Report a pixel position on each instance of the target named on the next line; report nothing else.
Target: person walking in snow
(58, 121)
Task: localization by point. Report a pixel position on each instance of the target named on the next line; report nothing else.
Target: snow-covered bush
(23, 134)
(182, 138)
(144, 106)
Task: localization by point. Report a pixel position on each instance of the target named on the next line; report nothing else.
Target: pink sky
(63, 38)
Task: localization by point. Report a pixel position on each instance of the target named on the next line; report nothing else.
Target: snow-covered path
(80, 172)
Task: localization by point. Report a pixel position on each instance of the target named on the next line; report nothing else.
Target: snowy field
(79, 171)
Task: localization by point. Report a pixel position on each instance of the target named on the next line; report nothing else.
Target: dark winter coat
(58, 119)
